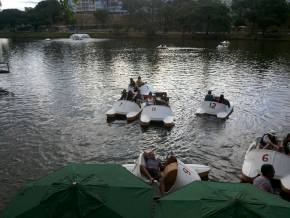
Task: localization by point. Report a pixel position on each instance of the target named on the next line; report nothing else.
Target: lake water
(62, 90)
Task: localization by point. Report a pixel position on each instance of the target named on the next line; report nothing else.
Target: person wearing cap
(286, 144)
(139, 82)
(269, 141)
(209, 96)
(264, 181)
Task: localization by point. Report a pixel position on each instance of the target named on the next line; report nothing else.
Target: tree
(212, 15)
(261, 13)
(11, 18)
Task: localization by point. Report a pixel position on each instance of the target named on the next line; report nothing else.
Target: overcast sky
(19, 4)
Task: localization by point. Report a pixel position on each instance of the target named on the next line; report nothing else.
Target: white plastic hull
(79, 36)
(214, 108)
(129, 109)
(186, 173)
(256, 157)
(157, 113)
(146, 89)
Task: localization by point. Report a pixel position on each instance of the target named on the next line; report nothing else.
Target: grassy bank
(169, 35)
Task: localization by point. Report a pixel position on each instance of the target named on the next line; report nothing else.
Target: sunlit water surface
(63, 89)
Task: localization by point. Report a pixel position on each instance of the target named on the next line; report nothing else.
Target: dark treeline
(186, 16)
(45, 14)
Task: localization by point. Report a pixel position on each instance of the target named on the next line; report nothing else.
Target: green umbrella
(221, 200)
(84, 191)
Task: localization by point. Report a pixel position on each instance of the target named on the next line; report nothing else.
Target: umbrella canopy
(84, 191)
(221, 200)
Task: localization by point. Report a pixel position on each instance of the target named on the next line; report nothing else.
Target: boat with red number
(255, 157)
(157, 110)
(215, 108)
(175, 174)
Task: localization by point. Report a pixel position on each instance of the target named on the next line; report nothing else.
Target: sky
(19, 4)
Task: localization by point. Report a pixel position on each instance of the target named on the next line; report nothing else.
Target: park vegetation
(151, 16)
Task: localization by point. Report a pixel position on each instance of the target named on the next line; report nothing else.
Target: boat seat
(169, 175)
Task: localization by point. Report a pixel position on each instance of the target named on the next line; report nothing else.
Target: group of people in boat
(134, 94)
(270, 141)
(221, 99)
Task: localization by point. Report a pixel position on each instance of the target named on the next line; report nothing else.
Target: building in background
(112, 6)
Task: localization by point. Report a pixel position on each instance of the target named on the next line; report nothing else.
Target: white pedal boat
(157, 113)
(176, 174)
(79, 36)
(161, 47)
(219, 110)
(146, 89)
(255, 157)
(129, 109)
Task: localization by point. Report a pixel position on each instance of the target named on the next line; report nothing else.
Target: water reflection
(4, 45)
(63, 89)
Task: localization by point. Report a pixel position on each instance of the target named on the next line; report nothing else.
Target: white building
(112, 6)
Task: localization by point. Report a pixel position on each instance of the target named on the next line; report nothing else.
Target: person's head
(272, 134)
(222, 97)
(268, 171)
(139, 77)
(209, 92)
(150, 93)
(131, 80)
(124, 91)
(149, 154)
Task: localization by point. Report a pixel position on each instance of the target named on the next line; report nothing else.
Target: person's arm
(145, 172)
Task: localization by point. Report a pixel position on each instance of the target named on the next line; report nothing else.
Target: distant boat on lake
(78, 36)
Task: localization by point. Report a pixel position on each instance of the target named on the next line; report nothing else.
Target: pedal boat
(175, 175)
(219, 110)
(124, 108)
(157, 113)
(255, 157)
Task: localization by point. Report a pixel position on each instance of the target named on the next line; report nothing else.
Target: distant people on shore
(139, 82)
(263, 181)
(286, 144)
(269, 141)
(209, 96)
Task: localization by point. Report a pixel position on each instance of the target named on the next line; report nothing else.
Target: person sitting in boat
(150, 99)
(123, 95)
(132, 84)
(209, 96)
(130, 96)
(269, 141)
(264, 181)
(286, 144)
(222, 100)
(151, 168)
(138, 98)
(139, 82)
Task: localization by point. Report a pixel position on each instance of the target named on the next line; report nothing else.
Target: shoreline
(143, 35)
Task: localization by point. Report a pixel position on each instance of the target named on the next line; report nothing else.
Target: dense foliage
(189, 16)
